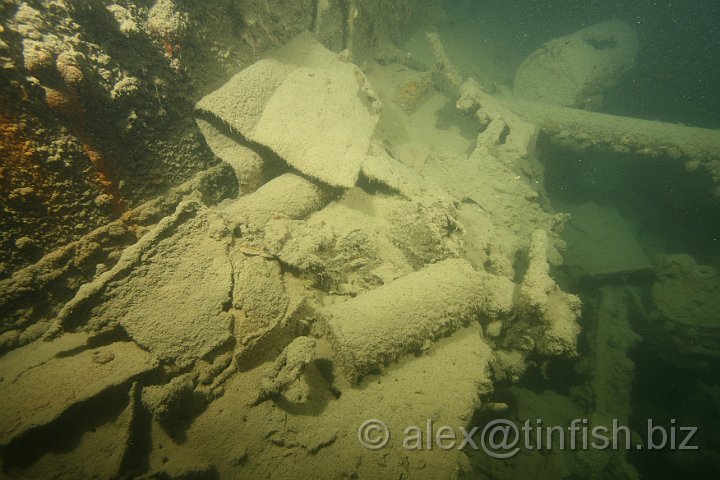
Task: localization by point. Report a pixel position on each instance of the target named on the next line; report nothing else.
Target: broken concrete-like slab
(313, 110)
(173, 303)
(43, 393)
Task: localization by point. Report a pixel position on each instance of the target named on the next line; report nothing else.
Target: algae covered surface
(359, 239)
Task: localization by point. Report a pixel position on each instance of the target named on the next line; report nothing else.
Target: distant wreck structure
(573, 70)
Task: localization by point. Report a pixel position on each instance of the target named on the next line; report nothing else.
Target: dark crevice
(313, 15)
(274, 165)
(345, 12)
(504, 135)
(66, 433)
(673, 212)
(107, 337)
(373, 187)
(673, 209)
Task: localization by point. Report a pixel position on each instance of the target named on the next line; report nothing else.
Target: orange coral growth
(170, 46)
(64, 103)
(19, 168)
(101, 177)
(67, 104)
(16, 150)
(10, 143)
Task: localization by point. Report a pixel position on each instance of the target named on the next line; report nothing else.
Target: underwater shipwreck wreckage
(250, 318)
